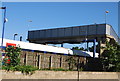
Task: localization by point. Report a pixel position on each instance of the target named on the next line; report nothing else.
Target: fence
(47, 60)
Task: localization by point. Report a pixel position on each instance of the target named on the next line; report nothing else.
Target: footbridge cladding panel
(72, 34)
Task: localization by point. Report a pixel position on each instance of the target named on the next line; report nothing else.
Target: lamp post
(106, 16)
(86, 32)
(15, 35)
(29, 24)
(20, 38)
(3, 24)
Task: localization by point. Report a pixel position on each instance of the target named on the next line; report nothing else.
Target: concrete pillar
(87, 46)
(50, 62)
(94, 48)
(60, 62)
(61, 45)
(100, 45)
(99, 48)
(26, 58)
(78, 63)
(39, 61)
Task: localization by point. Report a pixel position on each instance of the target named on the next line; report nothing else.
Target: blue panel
(83, 31)
(3, 47)
(31, 34)
(92, 30)
(94, 45)
(54, 33)
(3, 54)
(45, 52)
(32, 50)
(75, 31)
(48, 33)
(61, 32)
(101, 29)
(68, 31)
(36, 34)
(42, 34)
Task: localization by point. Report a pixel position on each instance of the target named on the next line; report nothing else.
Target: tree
(91, 49)
(71, 62)
(77, 48)
(12, 61)
(111, 56)
(12, 57)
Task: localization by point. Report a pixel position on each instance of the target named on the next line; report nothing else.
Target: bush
(12, 57)
(56, 69)
(28, 70)
(111, 57)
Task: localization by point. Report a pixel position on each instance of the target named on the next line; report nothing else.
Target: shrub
(12, 57)
(27, 70)
(12, 61)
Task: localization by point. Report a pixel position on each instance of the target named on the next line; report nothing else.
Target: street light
(29, 24)
(20, 38)
(86, 32)
(15, 35)
(3, 24)
(106, 16)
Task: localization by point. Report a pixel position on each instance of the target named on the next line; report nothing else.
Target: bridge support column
(87, 46)
(99, 48)
(94, 47)
(100, 45)
(61, 45)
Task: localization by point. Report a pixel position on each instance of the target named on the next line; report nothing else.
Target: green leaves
(27, 70)
(13, 53)
(111, 57)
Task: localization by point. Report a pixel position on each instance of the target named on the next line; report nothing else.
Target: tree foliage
(12, 61)
(12, 57)
(71, 62)
(111, 56)
(78, 48)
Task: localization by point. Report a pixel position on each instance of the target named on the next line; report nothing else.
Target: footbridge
(74, 35)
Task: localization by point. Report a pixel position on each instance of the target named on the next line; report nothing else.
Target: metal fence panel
(54, 33)
(42, 33)
(91, 30)
(75, 31)
(83, 30)
(48, 33)
(68, 31)
(101, 29)
(36, 34)
(61, 32)
(31, 34)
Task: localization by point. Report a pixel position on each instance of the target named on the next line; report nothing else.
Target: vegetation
(77, 48)
(60, 69)
(11, 61)
(91, 49)
(12, 57)
(28, 70)
(55, 69)
(111, 56)
(71, 62)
